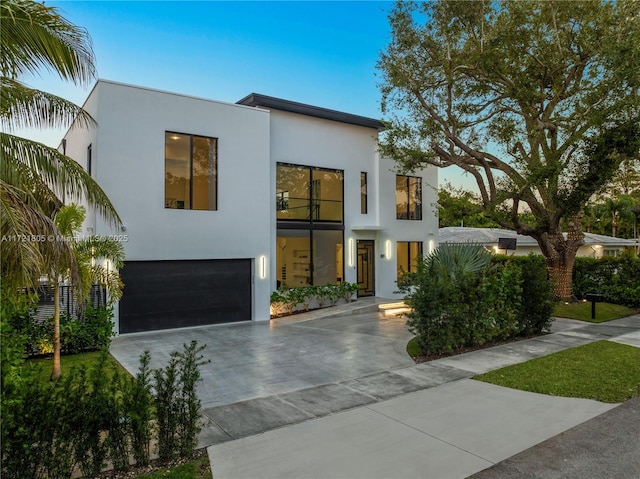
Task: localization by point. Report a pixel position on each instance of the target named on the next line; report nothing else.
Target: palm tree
(87, 254)
(34, 177)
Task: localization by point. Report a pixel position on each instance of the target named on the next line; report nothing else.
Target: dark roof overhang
(256, 99)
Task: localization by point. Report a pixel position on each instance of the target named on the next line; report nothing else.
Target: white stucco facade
(128, 162)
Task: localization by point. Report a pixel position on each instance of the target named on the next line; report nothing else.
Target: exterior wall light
(263, 267)
(352, 253)
(388, 249)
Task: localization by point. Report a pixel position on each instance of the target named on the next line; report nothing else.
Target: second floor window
(363, 193)
(306, 194)
(408, 197)
(191, 177)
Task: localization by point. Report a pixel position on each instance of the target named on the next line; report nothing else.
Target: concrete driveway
(251, 360)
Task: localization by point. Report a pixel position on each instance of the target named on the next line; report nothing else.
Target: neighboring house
(222, 203)
(494, 239)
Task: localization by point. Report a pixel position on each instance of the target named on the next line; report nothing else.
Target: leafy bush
(460, 298)
(177, 404)
(91, 417)
(287, 300)
(617, 278)
(91, 331)
(537, 297)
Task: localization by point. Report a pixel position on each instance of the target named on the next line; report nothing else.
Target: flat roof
(256, 99)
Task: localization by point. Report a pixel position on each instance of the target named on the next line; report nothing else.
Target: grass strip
(195, 469)
(604, 371)
(582, 311)
(43, 366)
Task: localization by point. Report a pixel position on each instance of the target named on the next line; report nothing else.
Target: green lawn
(195, 469)
(604, 371)
(44, 365)
(582, 311)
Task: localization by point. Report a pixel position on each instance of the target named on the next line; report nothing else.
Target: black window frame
(89, 159)
(408, 214)
(412, 267)
(364, 193)
(215, 175)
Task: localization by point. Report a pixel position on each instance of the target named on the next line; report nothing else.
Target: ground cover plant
(604, 371)
(287, 300)
(582, 310)
(198, 468)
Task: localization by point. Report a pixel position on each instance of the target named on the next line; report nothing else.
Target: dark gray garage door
(176, 294)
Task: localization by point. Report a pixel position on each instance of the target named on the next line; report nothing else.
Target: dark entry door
(180, 293)
(366, 260)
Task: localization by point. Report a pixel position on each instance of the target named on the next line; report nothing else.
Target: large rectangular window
(191, 165)
(308, 194)
(310, 240)
(408, 254)
(363, 193)
(305, 257)
(408, 197)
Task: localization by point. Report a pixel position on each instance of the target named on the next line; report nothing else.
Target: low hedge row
(90, 331)
(287, 300)
(507, 298)
(617, 278)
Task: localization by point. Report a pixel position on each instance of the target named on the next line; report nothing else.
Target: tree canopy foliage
(35, 179)
(537, 100)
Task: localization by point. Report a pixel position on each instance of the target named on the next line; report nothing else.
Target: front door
(366, 260)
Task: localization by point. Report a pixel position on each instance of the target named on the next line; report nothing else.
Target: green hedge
(617, 278)
(91, 331)
(536, 304)
(510, 297)
(287, 300)
(92, 417)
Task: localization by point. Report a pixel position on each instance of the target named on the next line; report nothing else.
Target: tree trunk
(55, 374)
(560, 254)
(561, 274)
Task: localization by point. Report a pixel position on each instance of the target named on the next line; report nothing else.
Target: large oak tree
(537, 100)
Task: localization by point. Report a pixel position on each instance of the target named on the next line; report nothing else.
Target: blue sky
(321, 53)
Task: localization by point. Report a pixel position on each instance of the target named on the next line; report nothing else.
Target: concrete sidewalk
(426, 420)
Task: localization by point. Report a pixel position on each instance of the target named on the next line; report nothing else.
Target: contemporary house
(509, 242)
(223, 203)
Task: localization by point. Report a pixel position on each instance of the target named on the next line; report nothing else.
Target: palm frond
(110, 279)
(460, 259)
(34, 36)
(24, 107)
(69, 219)
(30, 242)
(99, 247)
(62, 174)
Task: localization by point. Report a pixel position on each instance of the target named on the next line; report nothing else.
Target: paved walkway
(332, 396)
(425, 420)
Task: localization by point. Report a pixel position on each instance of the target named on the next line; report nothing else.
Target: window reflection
(408, 197)
(190, 172)
(408, 253)
(308, 194)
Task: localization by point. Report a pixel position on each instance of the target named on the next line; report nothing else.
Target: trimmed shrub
(90, 417)
(618, 279)
(90, 332)
(287, 300)
(537, 297)
(459, 303)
